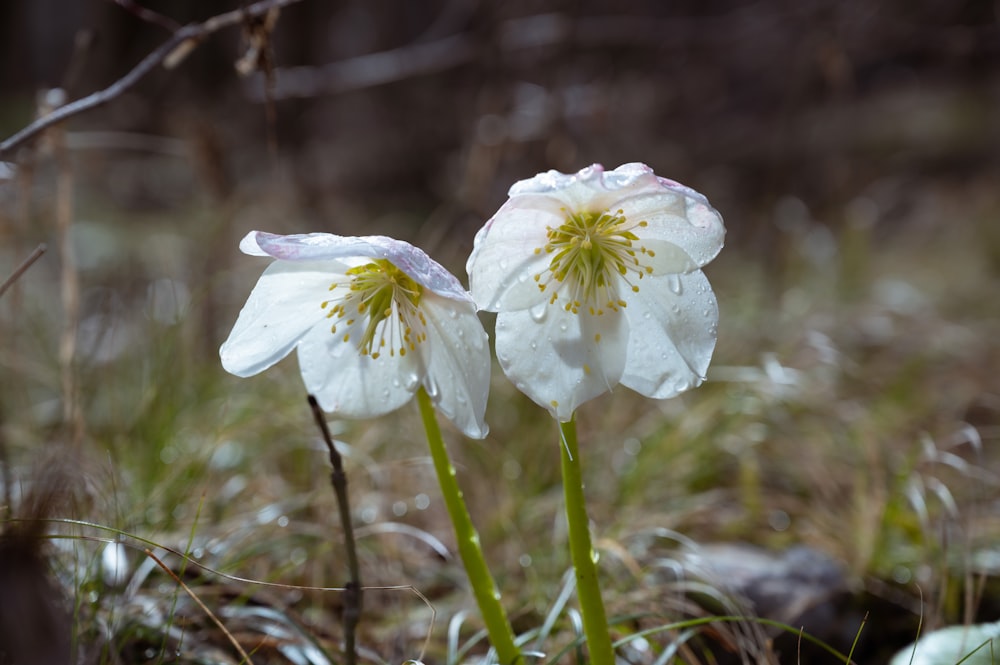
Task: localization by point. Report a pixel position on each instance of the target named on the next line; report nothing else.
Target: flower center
(389, 299)
(592, 254)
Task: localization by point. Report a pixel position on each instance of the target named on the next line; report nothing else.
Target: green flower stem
(483, 587)
(595, 622)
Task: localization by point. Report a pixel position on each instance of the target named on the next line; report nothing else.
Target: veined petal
(672, 333)
(560, 359)
(327, 246)
(353, 385)
(282, 307)
(457, 357)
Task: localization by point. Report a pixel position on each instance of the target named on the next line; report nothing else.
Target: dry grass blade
(243, 654)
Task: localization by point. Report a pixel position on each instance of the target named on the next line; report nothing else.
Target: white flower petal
(457, 356)
(503, 261)
(672, 331)
(282, 307)
(598, 240)
(686, 221)
(327, 246)
(666, 259)
(560, 359)
(429, 323)
(350, 384)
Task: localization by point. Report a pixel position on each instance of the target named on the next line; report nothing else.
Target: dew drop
(453, 313)
(523, 277)
(539, 311)
(411, 381)
(534, 346)
(647, 314)
(385, 394)
(674, 284)
(396, 382)
(432, 389)
(503, 264)
(564, 326)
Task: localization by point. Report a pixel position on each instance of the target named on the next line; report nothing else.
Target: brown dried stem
(352, 595)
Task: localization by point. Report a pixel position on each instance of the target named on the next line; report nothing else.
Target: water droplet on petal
(534, 346)
(452, 312)
(503, 264)
(674, 284)
(432, 388)
(539, 311)
(523, 277)
(647, 314)
(411, 381)
(564, 326)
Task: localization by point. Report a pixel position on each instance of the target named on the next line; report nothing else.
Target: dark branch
(170, 52)
(7, 283)
(148, 15)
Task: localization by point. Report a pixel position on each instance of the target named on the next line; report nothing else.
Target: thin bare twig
(148, 15)
(182, 41)
(352, 590)
(21, 269)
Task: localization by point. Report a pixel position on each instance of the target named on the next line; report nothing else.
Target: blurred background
(853, 408)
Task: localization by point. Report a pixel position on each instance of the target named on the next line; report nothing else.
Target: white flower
(372, 319)
(596, 280)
